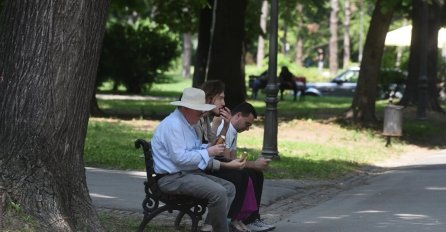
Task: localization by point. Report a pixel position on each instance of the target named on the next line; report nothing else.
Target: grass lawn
(312, 144)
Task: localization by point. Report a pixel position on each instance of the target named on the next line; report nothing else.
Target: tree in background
(204, 40)
(134, 55)
(261, 42)
(362, 109)
(49, 57)
(435, 17)
(180, 17)
(347, 16)
(333, 45)
(226, 60)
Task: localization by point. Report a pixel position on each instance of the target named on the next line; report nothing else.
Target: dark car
(344, 84)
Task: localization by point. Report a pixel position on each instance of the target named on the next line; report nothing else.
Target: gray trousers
(217, 191)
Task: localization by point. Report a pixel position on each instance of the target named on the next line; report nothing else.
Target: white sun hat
(193, 98)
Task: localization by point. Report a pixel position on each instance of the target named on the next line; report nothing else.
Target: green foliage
(179, 16)
(134, 55)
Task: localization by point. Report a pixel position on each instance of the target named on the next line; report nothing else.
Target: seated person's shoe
(260, 226)
(206, 228)
(237, 227)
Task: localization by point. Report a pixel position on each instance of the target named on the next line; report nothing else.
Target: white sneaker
(260, 226)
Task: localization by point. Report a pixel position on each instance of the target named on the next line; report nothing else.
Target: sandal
(238, 226)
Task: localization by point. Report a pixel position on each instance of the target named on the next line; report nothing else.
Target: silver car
(344, 84)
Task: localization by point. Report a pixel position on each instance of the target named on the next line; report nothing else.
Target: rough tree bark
(412, 84)
(226, 55)
(363, 106)
(49, 52)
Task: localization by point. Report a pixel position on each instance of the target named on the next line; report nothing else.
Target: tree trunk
(285, 39)
(299, 40)
(363, 105)
(95, 111)
(334, 36)
(412, 85)
(261, 43)
(204, 39)
(226, 55)
(49, 55)
(187, 54)
(347, 11)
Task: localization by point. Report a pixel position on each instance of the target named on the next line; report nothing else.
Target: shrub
(135, 55)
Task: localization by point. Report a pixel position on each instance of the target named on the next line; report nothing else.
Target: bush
(135, 55)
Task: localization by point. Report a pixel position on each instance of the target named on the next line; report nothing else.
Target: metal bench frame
(193, 207)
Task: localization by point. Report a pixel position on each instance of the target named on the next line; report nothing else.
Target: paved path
(406, 198)
(410, 198)
(124, 190)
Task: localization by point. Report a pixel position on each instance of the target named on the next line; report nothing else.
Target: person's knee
(222, 193)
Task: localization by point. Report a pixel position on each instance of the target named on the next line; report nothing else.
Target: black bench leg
(195, 219)
(178, 219)
(150, 216)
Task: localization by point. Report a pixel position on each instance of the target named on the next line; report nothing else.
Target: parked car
(344, 84)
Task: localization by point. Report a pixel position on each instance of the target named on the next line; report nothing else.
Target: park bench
(301, 83)
(151, 205)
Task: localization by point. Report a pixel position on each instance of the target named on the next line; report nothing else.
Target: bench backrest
(148, 160)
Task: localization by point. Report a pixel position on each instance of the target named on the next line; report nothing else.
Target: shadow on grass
(429, 133)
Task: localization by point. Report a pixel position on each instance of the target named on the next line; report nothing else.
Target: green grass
(110, 144)
(312, 143)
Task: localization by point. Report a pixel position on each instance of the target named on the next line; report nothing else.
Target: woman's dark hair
(213, 88)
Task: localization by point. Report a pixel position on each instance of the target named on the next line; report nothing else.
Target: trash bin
(393, 120)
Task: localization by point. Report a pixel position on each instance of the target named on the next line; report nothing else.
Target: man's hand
(260, 164)
(216, 149)
(225, 114)
(234, 164)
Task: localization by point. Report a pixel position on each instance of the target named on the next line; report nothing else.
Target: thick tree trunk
(363, 105)
(261, 43)
(95, 111)
(226, 56)
(204, 39)
(187, 54)
(334, 36)
(347, 11)
(49, 54)
(413, 81)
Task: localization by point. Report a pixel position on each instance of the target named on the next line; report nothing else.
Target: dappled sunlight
(436, 188)
(96, 195)
(334, 217)
(370, 211)
(406, 216)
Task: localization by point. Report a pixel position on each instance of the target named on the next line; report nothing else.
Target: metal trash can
(393, 120)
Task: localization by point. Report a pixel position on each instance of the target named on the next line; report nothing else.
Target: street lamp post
(270, 131)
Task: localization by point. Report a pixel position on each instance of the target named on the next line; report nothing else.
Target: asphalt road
(411, 198)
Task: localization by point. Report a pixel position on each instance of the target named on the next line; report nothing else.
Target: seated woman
(286, 81)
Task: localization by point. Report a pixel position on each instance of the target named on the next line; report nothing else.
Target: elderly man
(180, 159)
